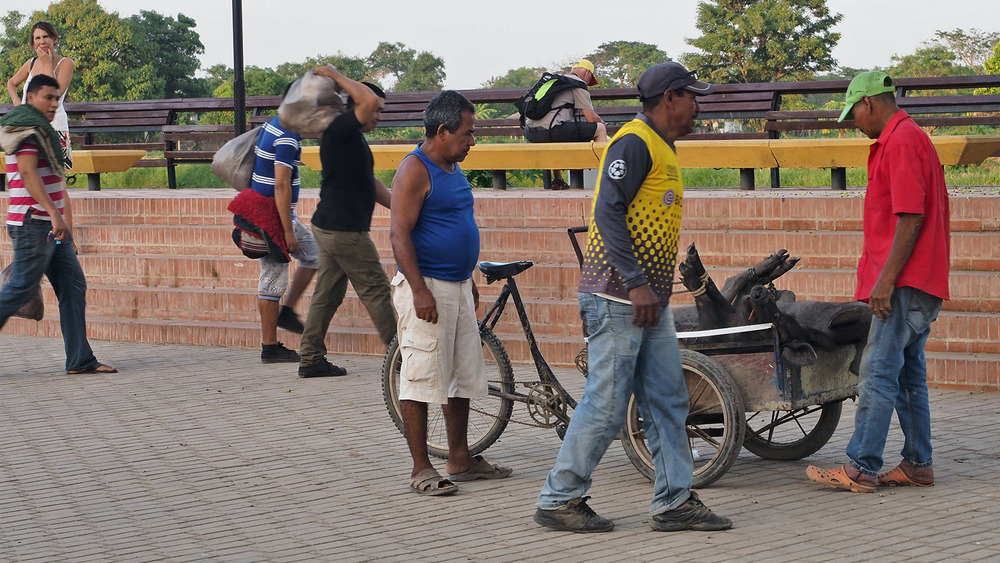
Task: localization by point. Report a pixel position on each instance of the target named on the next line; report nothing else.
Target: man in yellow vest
(624, 294)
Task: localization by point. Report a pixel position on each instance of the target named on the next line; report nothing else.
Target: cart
(743, 395)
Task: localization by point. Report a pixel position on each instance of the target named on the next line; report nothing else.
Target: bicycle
(712, 424)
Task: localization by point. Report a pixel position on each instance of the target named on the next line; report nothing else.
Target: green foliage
(619, 63)
(144, 57)
(172, 46)
(426, 72)
(763, 40)
(972, 48)
(928, 60)
(407, 69)
(991, 66)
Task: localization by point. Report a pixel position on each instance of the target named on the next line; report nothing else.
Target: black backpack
(536, 103)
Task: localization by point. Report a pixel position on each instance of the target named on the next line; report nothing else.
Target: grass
(200, 176)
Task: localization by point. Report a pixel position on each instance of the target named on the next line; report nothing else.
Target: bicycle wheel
(488, 416)
(794, 434)
(715, 423)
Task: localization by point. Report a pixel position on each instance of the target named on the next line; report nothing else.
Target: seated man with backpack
(558, 109)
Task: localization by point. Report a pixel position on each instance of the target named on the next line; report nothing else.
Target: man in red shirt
(40, 222)
(903, 276)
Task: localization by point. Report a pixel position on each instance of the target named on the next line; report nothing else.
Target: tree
(405, 68)
(115, 58)
(522, 77)
(763, 40)
(172, 46)
(991, 66)
(971, 48)
(619, 63)
(426, 72)
(928, 60)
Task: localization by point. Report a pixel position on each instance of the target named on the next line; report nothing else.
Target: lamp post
(239, 90)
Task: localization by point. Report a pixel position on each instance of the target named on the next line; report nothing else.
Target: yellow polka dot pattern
(653, 220)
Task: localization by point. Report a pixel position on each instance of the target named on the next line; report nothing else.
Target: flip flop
(430, 483)
(837, 478)
(895, 477)
(482, 470)
(96, 368)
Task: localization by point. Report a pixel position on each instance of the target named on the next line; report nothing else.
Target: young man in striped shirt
(39, 221)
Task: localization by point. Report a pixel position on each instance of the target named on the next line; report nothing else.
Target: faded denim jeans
(624, 359)
(894, 377)
(35, 254)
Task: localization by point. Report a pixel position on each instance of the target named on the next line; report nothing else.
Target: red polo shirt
(905, 176)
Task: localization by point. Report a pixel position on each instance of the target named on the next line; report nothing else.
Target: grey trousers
(346, 256)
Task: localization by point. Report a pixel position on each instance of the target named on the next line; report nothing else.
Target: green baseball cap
(871, 83)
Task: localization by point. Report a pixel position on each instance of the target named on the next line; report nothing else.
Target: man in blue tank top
(435, 241)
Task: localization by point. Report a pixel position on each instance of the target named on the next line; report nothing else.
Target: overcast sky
(478, 40)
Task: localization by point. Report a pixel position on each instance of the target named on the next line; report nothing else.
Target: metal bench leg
(500, 179)
(775, 178)
(94, 182)
(746, 179)
(576, 179)
(838, 178)
(547, 179)
(3, 182)
(171, 177)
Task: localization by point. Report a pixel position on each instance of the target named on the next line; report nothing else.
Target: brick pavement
(199, 453)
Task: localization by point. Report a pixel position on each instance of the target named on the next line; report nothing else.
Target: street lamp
(239, 90)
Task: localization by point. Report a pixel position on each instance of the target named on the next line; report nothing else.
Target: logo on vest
(616, 170)
(668, 198)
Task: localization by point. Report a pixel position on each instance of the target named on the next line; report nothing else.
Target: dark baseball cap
(659, 78)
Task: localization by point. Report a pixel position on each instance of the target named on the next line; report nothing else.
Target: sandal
(482, 470)
(96, 367)
(896, 477)
(430, 483)
(837, 478)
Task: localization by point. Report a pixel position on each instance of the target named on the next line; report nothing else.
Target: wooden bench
(95, 162)
(744, 154)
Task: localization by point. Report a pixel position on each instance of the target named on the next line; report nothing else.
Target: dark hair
(446, 109)
(40, 81)
(378, 92)
(47, 28)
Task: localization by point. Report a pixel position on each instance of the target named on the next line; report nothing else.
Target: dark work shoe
(576, 516)
(692, 515)
(288, 320)
(277, 353)
(322, 369)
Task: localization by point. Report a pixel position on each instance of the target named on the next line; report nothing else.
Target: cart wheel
(790, 435)
(715, 424)
(488, 416)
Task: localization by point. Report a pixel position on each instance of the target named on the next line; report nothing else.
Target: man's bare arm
(409, 188)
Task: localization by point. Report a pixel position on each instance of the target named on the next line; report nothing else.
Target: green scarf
(26, 115)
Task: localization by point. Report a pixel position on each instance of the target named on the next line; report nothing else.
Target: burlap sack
(234, 162)
(310, 104)
(34, 309)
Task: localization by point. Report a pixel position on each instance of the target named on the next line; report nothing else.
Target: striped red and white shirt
(20, 199)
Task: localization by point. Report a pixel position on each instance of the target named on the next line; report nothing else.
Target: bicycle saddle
(495, 271)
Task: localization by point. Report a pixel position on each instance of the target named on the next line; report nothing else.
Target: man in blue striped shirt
(276, 175)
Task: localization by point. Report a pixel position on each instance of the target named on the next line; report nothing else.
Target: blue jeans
(35, 254)
(894, 377)
(623, 360)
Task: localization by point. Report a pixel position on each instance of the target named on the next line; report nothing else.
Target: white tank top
(61, 121)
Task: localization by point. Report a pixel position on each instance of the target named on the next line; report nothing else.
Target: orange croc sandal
(896, 477)
(837, 478)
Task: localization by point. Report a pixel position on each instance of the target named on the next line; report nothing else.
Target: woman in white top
(45, 40)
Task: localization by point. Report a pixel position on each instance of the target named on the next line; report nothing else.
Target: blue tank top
(446, 236)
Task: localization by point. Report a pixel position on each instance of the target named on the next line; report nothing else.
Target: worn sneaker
(692, 515)
(277, 353)
(288, 320)
(576, 516)
(323, 369)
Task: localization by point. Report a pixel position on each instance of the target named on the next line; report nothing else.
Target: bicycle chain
(511, 418)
